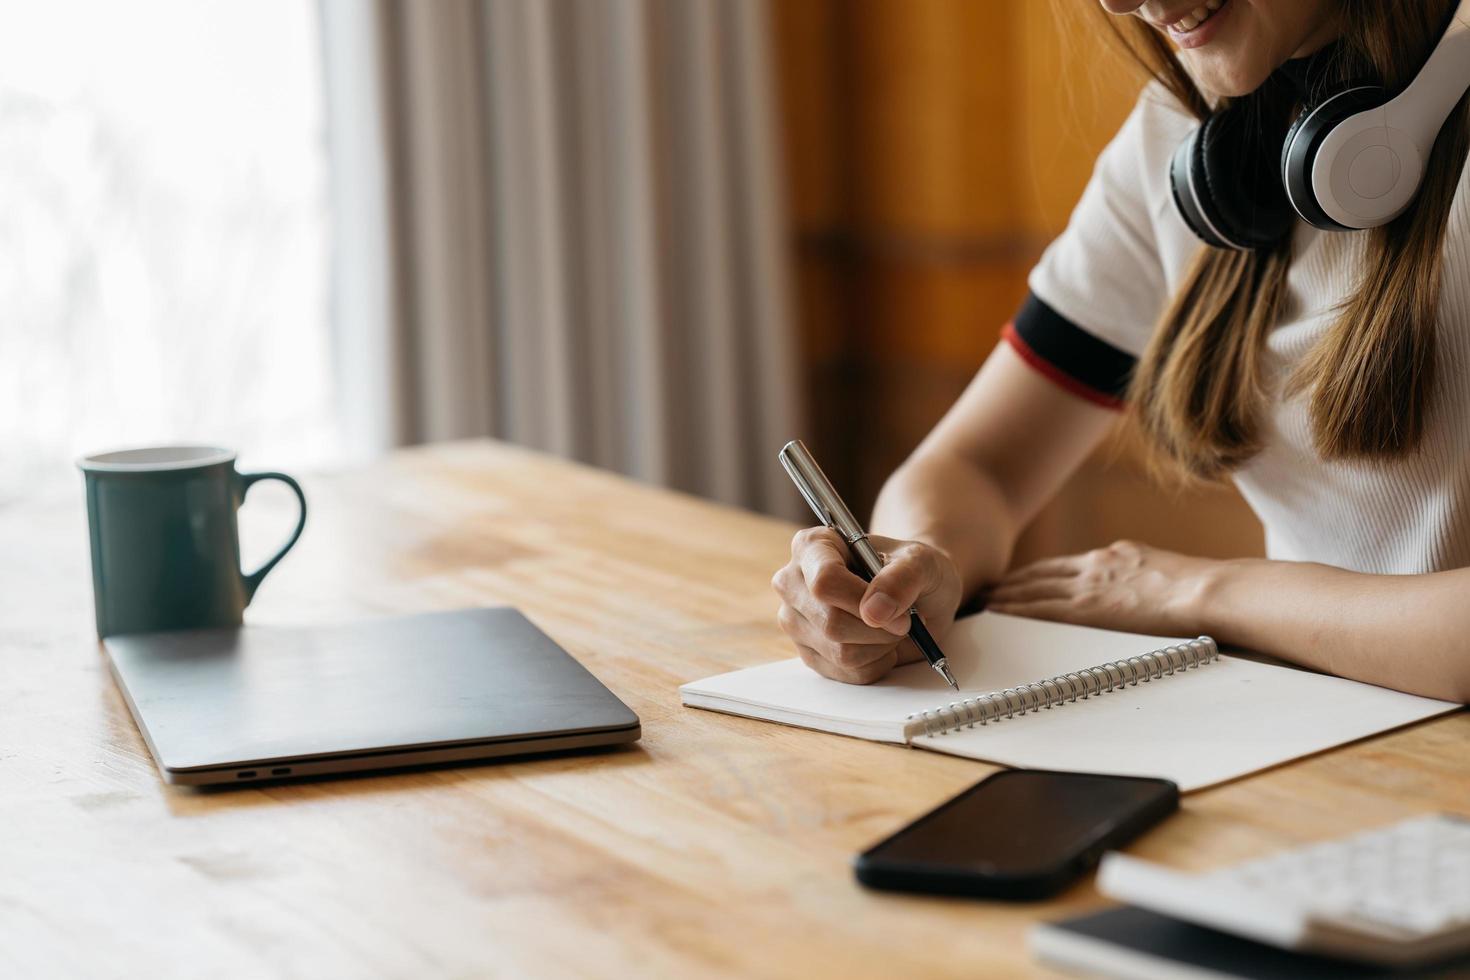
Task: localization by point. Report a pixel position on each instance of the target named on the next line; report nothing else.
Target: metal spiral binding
(1068, 687)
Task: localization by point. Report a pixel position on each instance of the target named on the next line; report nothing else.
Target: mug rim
(192, 457)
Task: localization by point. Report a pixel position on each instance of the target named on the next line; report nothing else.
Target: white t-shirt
(1122, 256)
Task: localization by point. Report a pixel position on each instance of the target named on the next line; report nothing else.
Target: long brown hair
(1200, 391)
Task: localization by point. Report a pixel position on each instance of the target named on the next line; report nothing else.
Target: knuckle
(850, 655)
(778, 580)
(808, 536)
(906, 551)
(786, 619)
(926, 556)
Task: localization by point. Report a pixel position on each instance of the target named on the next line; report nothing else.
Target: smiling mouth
(1192, 21)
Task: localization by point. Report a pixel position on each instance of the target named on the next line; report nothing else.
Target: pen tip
(943, 669)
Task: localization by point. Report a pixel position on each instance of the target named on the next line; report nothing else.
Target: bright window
(163, 231)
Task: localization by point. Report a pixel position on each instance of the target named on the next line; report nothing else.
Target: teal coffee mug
(165, 539)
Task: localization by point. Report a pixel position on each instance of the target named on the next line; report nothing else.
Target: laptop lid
(207, 699)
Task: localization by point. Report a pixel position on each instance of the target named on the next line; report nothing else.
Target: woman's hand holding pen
(855, 631)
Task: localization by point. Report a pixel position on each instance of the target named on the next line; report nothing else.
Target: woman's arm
(1408, 632)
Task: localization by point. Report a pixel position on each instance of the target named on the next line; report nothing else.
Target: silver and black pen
(831, 511)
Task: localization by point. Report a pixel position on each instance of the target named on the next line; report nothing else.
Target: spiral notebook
(1053, 696)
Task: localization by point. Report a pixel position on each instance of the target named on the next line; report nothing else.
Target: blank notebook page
(1197, 727)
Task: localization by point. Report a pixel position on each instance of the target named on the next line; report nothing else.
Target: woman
(1326, 372)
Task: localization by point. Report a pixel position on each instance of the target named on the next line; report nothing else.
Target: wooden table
(716, 846)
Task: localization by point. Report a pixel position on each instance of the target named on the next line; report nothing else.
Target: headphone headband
(1423, 106)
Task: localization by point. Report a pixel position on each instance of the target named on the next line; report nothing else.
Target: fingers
(842, 639)
(1057, 610)
(828, 593)
(1066, 566)
(822, 556)
(824, 625)
(1045, 589)
(1031, 590)
(864, 674)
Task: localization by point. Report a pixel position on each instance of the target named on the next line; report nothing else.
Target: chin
(1221, 75)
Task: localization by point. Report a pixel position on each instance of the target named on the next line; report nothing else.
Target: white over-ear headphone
(1359, 166)
(1353, 160)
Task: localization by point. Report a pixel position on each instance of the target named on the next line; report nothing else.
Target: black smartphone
(1018, 834)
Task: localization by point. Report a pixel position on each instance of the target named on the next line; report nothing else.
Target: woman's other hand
(1125, 586)
(855, 631)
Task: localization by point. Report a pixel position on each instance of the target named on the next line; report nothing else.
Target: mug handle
(252, 581)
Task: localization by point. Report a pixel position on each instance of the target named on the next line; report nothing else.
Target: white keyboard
(1398, 895)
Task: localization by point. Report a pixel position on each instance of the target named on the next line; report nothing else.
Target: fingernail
(879, 608)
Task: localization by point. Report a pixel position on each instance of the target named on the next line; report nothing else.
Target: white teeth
(1196, 17)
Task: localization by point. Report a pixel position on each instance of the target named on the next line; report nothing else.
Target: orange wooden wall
(933, 148)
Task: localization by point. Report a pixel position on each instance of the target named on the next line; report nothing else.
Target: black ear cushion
(1240, 174)
(1304, 139)
(1221, 188)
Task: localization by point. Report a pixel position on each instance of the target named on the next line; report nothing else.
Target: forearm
(1409, 632)
(955, 506)
(995, 458)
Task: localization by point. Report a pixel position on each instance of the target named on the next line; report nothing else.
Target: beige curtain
(559, 223)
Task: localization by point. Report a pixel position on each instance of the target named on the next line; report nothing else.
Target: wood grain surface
(716, 846)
